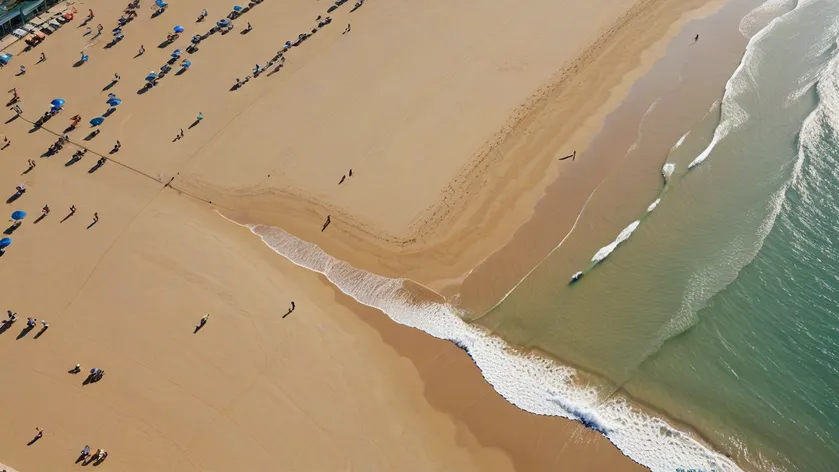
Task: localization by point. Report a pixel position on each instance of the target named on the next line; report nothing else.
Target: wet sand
(620, 173)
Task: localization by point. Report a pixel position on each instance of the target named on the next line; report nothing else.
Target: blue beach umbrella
(114, 102)
(186, 64)
(97, 121)
(176, 53)
(152, 75)
(223, 22)
(237, 8)
(5, 242)
(179, 29)
(18, 215)
(160, 3)
(58, 103)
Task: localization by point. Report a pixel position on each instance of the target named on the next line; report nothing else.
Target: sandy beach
(432, 106)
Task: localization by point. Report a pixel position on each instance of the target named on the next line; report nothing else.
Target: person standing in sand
(328, 220)
(201, 323)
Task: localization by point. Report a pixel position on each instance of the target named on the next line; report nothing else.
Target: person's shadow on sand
(24, 332)
(39, 333)
(5, 327)
(35, 439)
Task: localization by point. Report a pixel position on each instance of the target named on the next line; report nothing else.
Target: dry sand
(407, 99)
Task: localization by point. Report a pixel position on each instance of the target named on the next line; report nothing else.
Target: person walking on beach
(116, 78)
(22, 70)
(347, 29)
(201, 323)
(328, 220)
(31, 164)
(43, 57)
(95, 217)
(350, 172)
(38, 435)
(199, 117)
(142, 50)
(46, 210)
(290, 309)
(342, 179)
(696, 39)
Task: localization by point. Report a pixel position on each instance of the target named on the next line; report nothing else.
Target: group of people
(86, 457)
(11, 318)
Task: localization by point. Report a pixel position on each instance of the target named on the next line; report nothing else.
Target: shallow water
(720, 305)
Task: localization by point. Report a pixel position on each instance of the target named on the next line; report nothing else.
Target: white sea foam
(707, 152)
(527, 381)
(604, 252)
(733, 114)
(667, 171)
(680, 141)
(760, 17)
(653, 205)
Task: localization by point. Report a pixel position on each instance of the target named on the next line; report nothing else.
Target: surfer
(576, 277)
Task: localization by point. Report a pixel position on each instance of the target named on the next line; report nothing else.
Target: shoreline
(590, 423)
(533, 383)
(510, 185)
(604, 212)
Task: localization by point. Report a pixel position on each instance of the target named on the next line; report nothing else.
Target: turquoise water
(721, 310)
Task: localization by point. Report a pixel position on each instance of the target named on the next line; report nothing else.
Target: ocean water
(718, 307)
